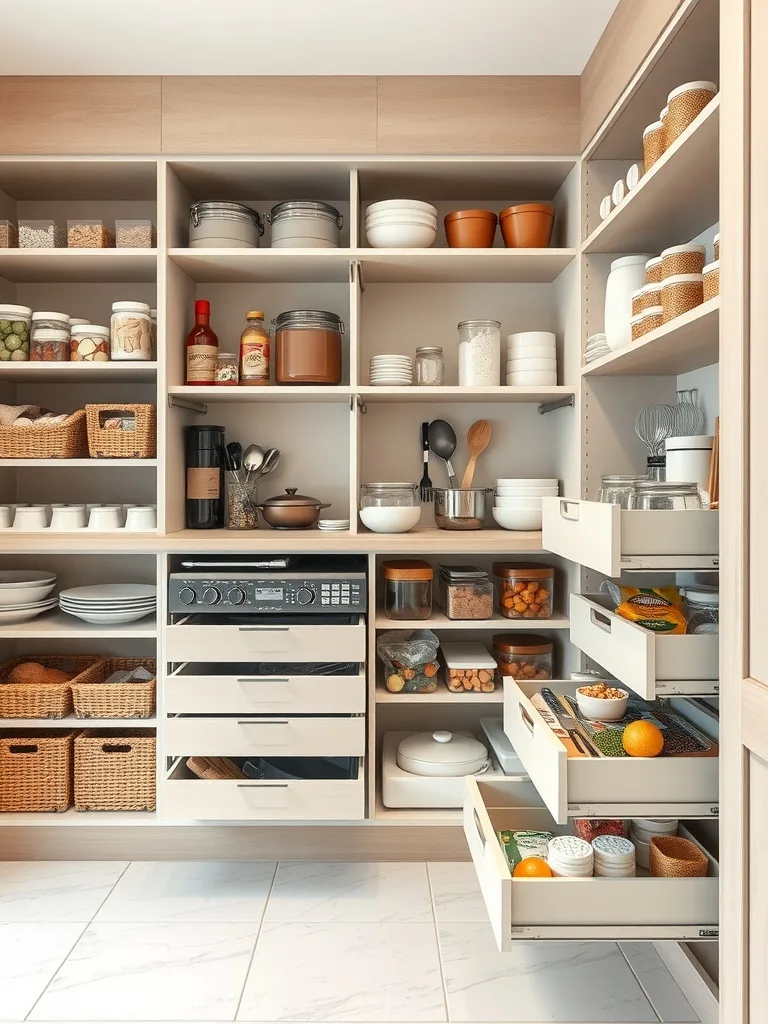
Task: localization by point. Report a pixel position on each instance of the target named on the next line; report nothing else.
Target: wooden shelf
(73, 817)
(467, 394)
(439, 620)
(686, 343)
(675, 201)
(232, 266)
(70, 265)
(271, 393)
(58, 625)
(129, 372)
(442, 695)
(83, 541)
(445, 266)
(72, 722)
(77, 463)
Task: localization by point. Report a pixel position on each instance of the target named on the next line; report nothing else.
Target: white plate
(109, 604)
(109, 618)
(111, 592)
(108, 608)
(22, 606)
(14, 597)
(9, 616)
(24, 577)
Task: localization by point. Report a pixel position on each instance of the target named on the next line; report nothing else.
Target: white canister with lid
(302, 224)
(627, 276)
(614, 857)
(130, 331)
(689, 458)
(570, 857)
(89, 343)
(443, 754)
(220, 225)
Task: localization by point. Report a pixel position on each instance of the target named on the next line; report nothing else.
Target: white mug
(6, 516)
(67, 517)
(141, 518)
(31, 517)
(90, 506)
(105, 517)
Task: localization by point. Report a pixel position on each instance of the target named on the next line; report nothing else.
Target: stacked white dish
(531, 359)
(333, 525)
(570, 857)
(614, 857)
(391, 370)
(25, 594)
(401, 224)
(642, 830)
(110, 603)
(597, 347)
(517, 505)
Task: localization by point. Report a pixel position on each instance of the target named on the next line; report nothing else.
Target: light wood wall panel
(70, 115)
(489, 115)
(633, 29)
(265, 115)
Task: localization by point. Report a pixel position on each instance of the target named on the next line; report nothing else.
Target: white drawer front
(577, 908)
(607, 787)
(194, 642)
(280, 737)
(647, 663)
(263, 695)
(587, 532)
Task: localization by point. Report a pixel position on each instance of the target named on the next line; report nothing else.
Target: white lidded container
(570, 857)
(442, 754)
(688, 459)
(220, 225)
(626, 277)
(131, 331)
(302, 224)
(479, 353)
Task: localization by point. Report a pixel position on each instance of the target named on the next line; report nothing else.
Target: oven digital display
(268, 594)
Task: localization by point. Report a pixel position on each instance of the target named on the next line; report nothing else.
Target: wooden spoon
(478, 439)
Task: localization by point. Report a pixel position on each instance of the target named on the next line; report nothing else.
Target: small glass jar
(14, 333)
(616, 489)
(523, 655)
(701, 605)
(254, 350)
(308, 347)
(131, 331)
(385, 495)
(429, 367)
(408, 589)
(479, 353)
(524, 591)
(226, 372)
(663, 496)
(49, 337)
(242, 501)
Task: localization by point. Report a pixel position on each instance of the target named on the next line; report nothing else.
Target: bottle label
(202, 483)
(255, 361)
(201, 364)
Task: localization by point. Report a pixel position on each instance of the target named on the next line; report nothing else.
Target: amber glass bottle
(202, 347)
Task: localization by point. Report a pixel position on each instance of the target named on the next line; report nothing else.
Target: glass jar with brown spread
(254, 350)
(308, 347)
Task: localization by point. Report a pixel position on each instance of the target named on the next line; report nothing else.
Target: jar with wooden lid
(407, 589)
(254, 350)
(308, 347)
(523, 655)
(524, 591)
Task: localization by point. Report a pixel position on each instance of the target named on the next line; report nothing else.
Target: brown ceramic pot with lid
(470, 229)
(291, 511)
(527, 225)
(308, 347)
(523, 655)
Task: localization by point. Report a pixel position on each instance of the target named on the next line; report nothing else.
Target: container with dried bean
(89, 234)
(49, 337)
(469, 668)
(41, 234)
(523, 655)
(133, 234)
(524, 591)
(466, 592)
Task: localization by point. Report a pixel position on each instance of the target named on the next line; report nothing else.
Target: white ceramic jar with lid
(131, 331)
(570, 857)
(689, 458)
(302, 224)
(614, 857)
(626, 277)
(220, 225)
(443, 754)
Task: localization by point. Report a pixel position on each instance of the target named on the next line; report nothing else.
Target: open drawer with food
(650, 663)
(610, 539)
(265, 688)
(590, 755)
(675, 897)
(260, 788)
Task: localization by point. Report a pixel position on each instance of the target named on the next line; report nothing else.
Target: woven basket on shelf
(676, 857)
(67, 440)
(43, 700)
(214, 768)
(36, 770)
(93, 698)
(113, 443)
(115, 770)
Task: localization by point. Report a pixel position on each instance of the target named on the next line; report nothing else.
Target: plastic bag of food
(524, 843)
(659, 609)
(410, 660)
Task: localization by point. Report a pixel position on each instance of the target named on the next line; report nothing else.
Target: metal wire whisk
(688, 417)
(653, 426)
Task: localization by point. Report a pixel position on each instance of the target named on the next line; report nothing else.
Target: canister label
(201, 363)
(202, 483)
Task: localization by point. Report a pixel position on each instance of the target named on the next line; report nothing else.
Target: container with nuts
(524, 591)
(469, 668)
(523, 655)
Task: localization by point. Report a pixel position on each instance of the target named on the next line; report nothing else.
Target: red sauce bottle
(202, 347)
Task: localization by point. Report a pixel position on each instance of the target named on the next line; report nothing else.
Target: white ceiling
(300, 37)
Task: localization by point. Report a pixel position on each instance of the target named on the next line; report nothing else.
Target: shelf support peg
(562, 403)
(185, 403)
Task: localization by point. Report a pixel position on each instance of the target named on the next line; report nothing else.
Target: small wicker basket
(67, 440)
(654, 144)
(676, 857)
(115, 770)
(682, 259)
(105, 442)
(681, 294)
(36, 770)
(653, 271)
(712, 280)
(685, 104)
(43, 700)
(93, 698)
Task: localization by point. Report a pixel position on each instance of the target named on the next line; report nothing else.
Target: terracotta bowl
(675, 857)
(528, 225)
(470, 229)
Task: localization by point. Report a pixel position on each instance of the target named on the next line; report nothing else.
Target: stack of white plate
(531, 359)
(391, 370)
(517, 505)
(597, 347)
(401, 224)
(110, 603)
(25, 594)
(333, 525)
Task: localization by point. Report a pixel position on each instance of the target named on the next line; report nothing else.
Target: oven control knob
(187, 595)
(236, 595)
(304, 595)
(211, 595)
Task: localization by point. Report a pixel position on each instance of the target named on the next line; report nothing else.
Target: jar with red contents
(89, 343)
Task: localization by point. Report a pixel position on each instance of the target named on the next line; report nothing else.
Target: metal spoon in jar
(442, 443)
(253, 459)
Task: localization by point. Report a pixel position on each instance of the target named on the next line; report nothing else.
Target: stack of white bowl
(401, 224)
(531, 359)
(642, 831)
(25, 594)
(391, 371)
(517, 505)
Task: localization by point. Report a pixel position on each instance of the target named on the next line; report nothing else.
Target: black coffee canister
(205, 478)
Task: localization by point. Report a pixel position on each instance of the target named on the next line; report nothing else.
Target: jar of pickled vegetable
(524, 591)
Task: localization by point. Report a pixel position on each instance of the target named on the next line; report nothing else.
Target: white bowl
(391, 520)
(525, 339)
(401, 204)
(516, 502)
(517, 519)
(540, 363)
(401, 236)
(31, 594)
(532, 378)
(401, 217)
(527, 492)
(534, 481)
(602, 710)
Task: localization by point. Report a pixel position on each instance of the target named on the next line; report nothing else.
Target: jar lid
(531, 572)
(587, 677)
(664, 113)
(226, 355)
(75, 320)
(654, 126)
(130, 306)
(313, 319)
(629, 261)
(669, 488)
(614, 849)
(654, 262)
(14, 311)
(571, 850)
(521, 643)
(668, 282)
(697, 442)
(470, 215)
(202, 438)
(291, 500)
(153, 314)
(651, 311)
(51, 316)
(83, 330)
(709, 269)
(442, 753)
(690, 247)
(305, 208)
(389, 486)
(408, 569)
(429, 348)
(479, 323)
(467, 654)
(218, 210)
(254, 314)
(703, 593)
(52, 334)
(619, 478)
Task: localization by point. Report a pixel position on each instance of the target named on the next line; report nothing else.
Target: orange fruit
(642, 739)
(532, 867)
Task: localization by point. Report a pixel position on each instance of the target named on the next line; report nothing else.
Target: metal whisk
(653, 425)
(688, 418)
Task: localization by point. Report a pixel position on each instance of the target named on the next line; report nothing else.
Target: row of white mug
(67, 518)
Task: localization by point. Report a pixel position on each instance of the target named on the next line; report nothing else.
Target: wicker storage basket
(93, 698)
(36, 770)
(112, 443)
(676, 857)
(43, 700)
(654, 144)
(712, 280)
(653, 270)
(679, 294)
(214, 768)
(685, 104)
(682, 259)
(115, 770)
(67, 440)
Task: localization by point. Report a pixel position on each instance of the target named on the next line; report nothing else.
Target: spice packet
(658, 609)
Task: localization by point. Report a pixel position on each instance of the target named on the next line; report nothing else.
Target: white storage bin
(305, 225)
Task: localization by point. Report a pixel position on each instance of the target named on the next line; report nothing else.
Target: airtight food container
(302, 224)
(220, 225)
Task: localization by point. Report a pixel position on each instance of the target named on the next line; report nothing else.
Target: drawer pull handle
(260, 721)
(264, 629)
(527, 720)
(263, 679)
(478, 826)
(565, 506)
(262, 785)
(600, 620)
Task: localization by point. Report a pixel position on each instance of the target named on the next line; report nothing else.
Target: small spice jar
(226, 372)
(524, 591)
(429, 366)
(523, 655)
(89, 343)
(254, 350)
(407, 589)
(131, 331)
(49, 337)
(711, 281)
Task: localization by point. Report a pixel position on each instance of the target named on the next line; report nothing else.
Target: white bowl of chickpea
(602, 702)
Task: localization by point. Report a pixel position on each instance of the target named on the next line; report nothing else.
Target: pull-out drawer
(186, 798)
(208, 689)
(642, 907)
(650, 664)
(197, 640)
(233, 736)
(611, 539)
(671, 787)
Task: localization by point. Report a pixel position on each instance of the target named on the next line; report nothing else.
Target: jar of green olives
(14, 332)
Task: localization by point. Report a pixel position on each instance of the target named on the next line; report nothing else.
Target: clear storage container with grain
(523, 655)
(524, 591)
(466, 592)
(133, 234)
(469, 668)
(89, 234)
